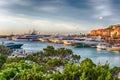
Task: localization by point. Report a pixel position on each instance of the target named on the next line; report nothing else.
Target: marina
(98, 56)
(59, 40)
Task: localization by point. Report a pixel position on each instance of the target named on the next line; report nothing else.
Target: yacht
(67, 42)
(80, 42)
(43, 39)
(12, 45)
(87, 42)
(115, 47)
(30, 37)
(103, 46)
(94, 43)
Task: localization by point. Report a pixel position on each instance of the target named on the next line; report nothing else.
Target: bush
(5, 50)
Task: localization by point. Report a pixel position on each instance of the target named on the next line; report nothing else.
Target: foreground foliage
(5, 50)
(55, 64)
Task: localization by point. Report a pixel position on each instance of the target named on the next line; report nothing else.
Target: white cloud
(22, 24)
(59, 26)
(10, 24)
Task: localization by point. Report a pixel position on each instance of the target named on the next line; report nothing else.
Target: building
(93, 32)
(111, 31)
(106, 32)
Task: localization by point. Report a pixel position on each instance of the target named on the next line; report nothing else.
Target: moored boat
(30, 37)
(87, 42)
(67, 42)
(12, 45)
(55, 40)
(18, 53)
(103, 46)
(80, 42)
(115, 47)
(43, 39)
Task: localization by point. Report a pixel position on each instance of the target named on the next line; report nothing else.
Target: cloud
(3, 2)
(59, 26)
(15, 24)
(102, 8)
(50, 9)
(18, 24)
(17, 2)
(58, 15)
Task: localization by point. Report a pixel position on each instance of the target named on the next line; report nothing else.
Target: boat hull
(113, 49)
(15, 46)
(22, 39)
(81, 45)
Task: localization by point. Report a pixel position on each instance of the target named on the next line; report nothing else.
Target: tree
(49, 51)
(55, 76)
(87, 62)
(75, 58)
(32, 74)
(71, 72)
(5, 50)
(43, 67)
(54, 62)
(2, 59)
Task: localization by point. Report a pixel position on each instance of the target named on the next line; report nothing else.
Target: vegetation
(2, 59)
(5, 50)
(112, 27)
(54, 64)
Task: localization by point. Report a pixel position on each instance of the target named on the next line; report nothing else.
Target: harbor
(60, 40)
(99, 49)
(98, 56)
(76, 41)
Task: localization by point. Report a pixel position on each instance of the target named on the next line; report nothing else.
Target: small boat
(56, 40)
(93, 43)
(80, 42)
(87, 42)
(67, 42)
(18, 53)
(102, 46)
(12, 45)
(115, 47)
(43, 39)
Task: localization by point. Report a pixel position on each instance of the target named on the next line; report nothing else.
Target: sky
(57, 16)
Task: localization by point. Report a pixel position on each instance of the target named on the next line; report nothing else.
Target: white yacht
(30, 37)
(43, 39)
(67, 42)
(115, 47)
(103, 46)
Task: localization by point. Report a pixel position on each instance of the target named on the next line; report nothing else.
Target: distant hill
(112, 27)
(111, 31)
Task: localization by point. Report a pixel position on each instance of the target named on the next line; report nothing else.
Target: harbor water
(97, 56)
